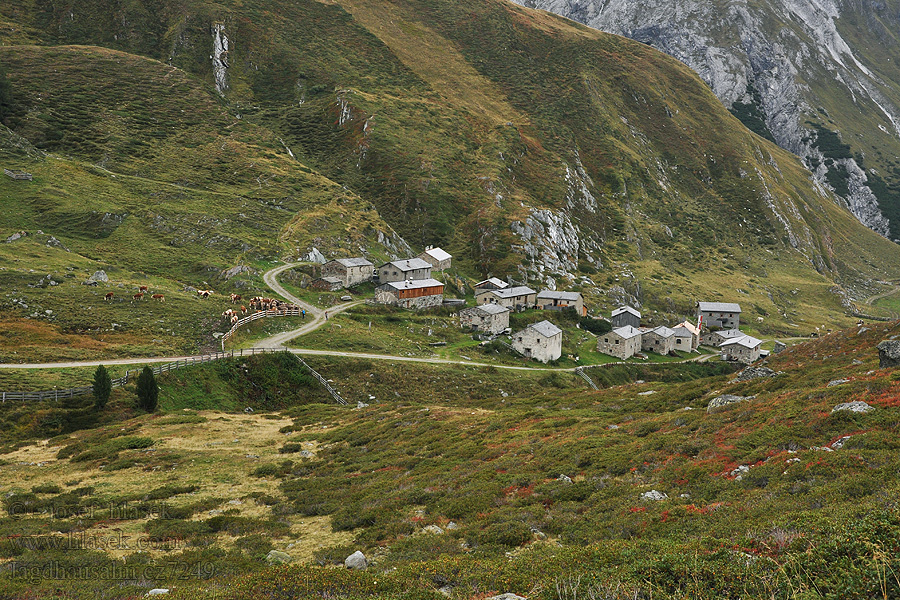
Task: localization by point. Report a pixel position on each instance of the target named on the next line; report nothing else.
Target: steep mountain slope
(821, 78)
(522, 143)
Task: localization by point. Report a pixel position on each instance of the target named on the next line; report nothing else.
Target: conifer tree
(102, 387)
(147, 390)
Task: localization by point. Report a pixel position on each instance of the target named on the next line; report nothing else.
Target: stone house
(744, 349)
(552, 300)
(715, 338)
(419, 293)
(487, 318)
(351, 271)
(625, 316)
(328, 284)
(511, 297)
(438, 259)
(540, 341)
(724, 315)
(404, 270)
(660, 340)
(622, 342)
(491, 283)
(687, 337)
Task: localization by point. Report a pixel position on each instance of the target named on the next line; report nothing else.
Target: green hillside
(522, 143)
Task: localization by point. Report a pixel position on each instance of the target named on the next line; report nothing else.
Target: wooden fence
(292, 311)
(178, 364)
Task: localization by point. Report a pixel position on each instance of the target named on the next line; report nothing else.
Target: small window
(617, 341)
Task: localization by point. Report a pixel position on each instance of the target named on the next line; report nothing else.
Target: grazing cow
(159, 297)
(138, 296)
(234, 319)
(108, 296)
(228, 313)
(235, 298)
(204, 293)
(243, 309)
(143, 288)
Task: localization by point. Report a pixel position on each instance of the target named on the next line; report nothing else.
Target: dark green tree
(102, 387)
(147, 390)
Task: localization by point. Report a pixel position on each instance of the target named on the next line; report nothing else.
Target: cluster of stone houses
(718, 327)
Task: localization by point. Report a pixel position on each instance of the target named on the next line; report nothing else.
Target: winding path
(277, 341)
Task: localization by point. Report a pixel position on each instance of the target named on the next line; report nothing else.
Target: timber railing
(293, 311)
(163, 368)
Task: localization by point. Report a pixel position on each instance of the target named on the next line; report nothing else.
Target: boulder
(507, 596)
(888, 354)
(754, 373)
(836, 382)
(724, 400)
(276, 557)
(235, 271)
(451, 526)
(99, 276)
(16, 236)
(857, 406)
(356, 561)
(654, 496)
(433, 529)
(315, 256)
(158, 592)
(564, 478)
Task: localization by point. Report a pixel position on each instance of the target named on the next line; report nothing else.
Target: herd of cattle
(258, 303)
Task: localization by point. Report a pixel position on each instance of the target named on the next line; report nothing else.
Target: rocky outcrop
(751, 373)
(889, 354)
(720, 402)
(768, 61)
(356, 561)
(858, 407)
(220, 57)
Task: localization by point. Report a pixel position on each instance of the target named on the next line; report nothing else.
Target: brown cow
(159, 297)
(108, 296)
(235, 298)
(234, 319)
(138, 296)
(228, 313)
(243, 309)
(204, 293)
(143, 288)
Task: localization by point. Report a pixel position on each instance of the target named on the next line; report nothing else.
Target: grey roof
(511, 292)
(747, 341)
(331, 279)
(553, 295)
(492, 309)
(438, 254)
(663, 331)
(498, 282)
(413, 284)
(730, 333)
(683, 332)
(545, 328)
(408, 264)
(353, 262)
(627, 309)
(627, 332)
(729, 307)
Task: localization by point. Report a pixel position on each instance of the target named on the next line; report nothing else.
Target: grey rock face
(99, 276)
(16, 236)
(356, 561)
(654, 496)
(888, 354)
(775, 56)
(836, 382)
(857, 406)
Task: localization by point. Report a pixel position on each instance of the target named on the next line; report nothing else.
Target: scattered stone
(507, 596)
(836, 382)
(158, 592)
(754, 373)
(888, 354)
(538, 534)
(16, 236)
(862, 330)
(857, 406)
(452, 526)
(361, 404)
(52, 242)
(100, 276)
(315, 256)
(837, 445)
(235, 271)
(739, 473)
(276, 557)
(356, 561)
(792, 460)
(446, 590)
(612, 427)
(306, 454)
(251, 456)
(856, 361)
(215, 511)
(725, 400)
(433, 529)
(88, 282)
(234, 502)
(564, 479)
(647, 393)
(654, 495)
(248, 410)
(685, 496)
